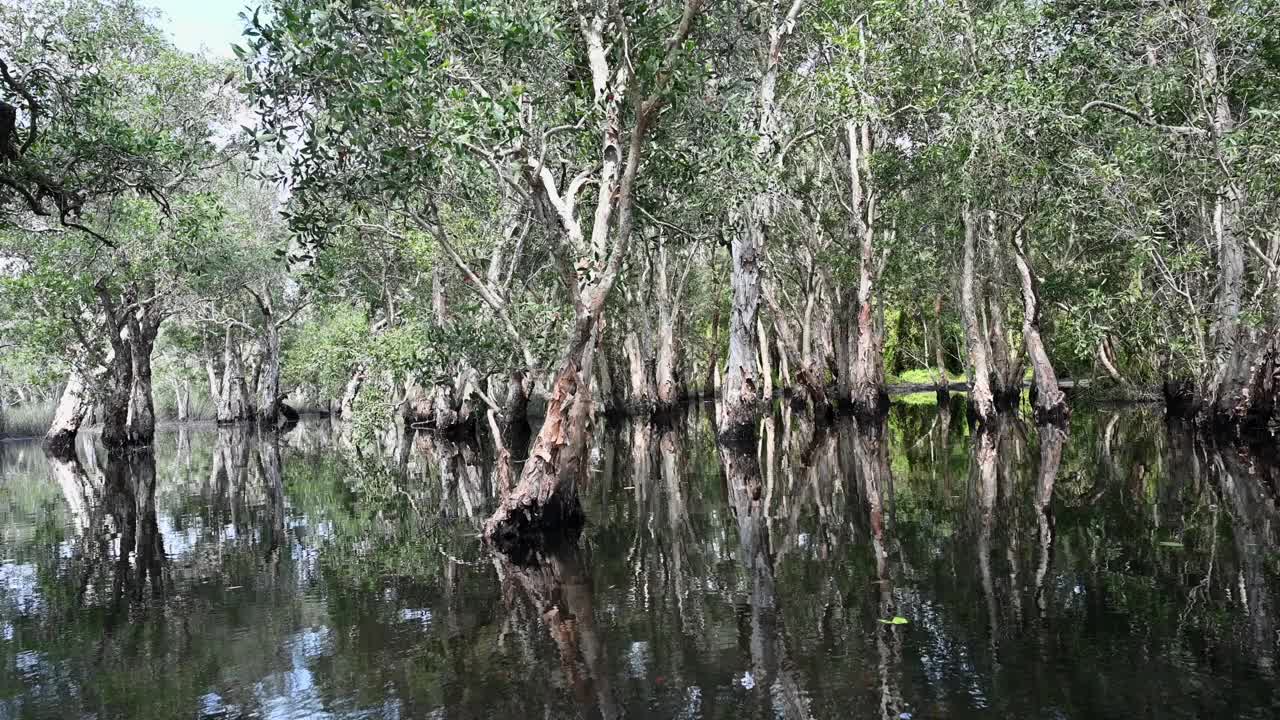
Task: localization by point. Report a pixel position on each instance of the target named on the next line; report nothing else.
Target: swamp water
(1117, 572)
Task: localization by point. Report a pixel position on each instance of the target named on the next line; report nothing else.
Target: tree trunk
(515, 412)
(766, 362)
(439, 308)
(233, 400)
(545, 501)
(60, 440)
(668, 390)
(117, 399)
(842, 327)
(740, 397)
(711, 384)
(740, 390)
(942, 381)
(981, 400)
(269, 371)
(546, 497)
(346, 407)
(182, 399)
(215, 382)
(142, 412)
(1006, 363)
(1049, 404)
(809, 375)
(868, 396)
(640, 383)
(939, 347)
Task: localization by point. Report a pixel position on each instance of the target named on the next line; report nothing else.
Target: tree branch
(1143, 120)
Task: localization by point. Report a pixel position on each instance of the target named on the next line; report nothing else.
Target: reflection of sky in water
(18, 580)
(179, 543)
(639, 657)
(421, 616)
(293, 693)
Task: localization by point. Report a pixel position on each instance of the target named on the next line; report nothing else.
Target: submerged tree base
(1256, 421)
(525, 528)
(60, 445)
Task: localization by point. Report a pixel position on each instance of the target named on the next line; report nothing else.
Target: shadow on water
(913, 567)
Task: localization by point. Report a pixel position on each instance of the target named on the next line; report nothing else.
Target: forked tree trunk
(546, 497)
(1006, 364)
(73, 407)
(1226, 397)
(980, 397)
(182, 399)
(1049, 404)
(809, 374)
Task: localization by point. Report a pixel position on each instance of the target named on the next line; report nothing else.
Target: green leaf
(897, 620)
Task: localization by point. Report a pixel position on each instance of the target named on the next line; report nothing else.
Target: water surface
(1117, 571)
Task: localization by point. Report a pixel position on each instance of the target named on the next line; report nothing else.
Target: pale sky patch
(211, 26)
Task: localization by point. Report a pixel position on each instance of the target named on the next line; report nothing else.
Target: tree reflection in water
(1084, 574)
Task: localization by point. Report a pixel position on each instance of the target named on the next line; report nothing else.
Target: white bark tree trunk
(1050, 405)
(980, 396)
(740, 396)
(233, 401)
(69, 415)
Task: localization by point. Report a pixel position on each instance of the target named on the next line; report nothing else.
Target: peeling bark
(233, 399)
(868, 395)
(268, 394)
(72, 408)
(740, 395)
(981, 400)
(1049, 404)
(545, 502)
(740, 388)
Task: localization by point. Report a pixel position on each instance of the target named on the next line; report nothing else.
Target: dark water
(1117, 572)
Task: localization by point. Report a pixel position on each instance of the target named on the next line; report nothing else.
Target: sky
(202, 24)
